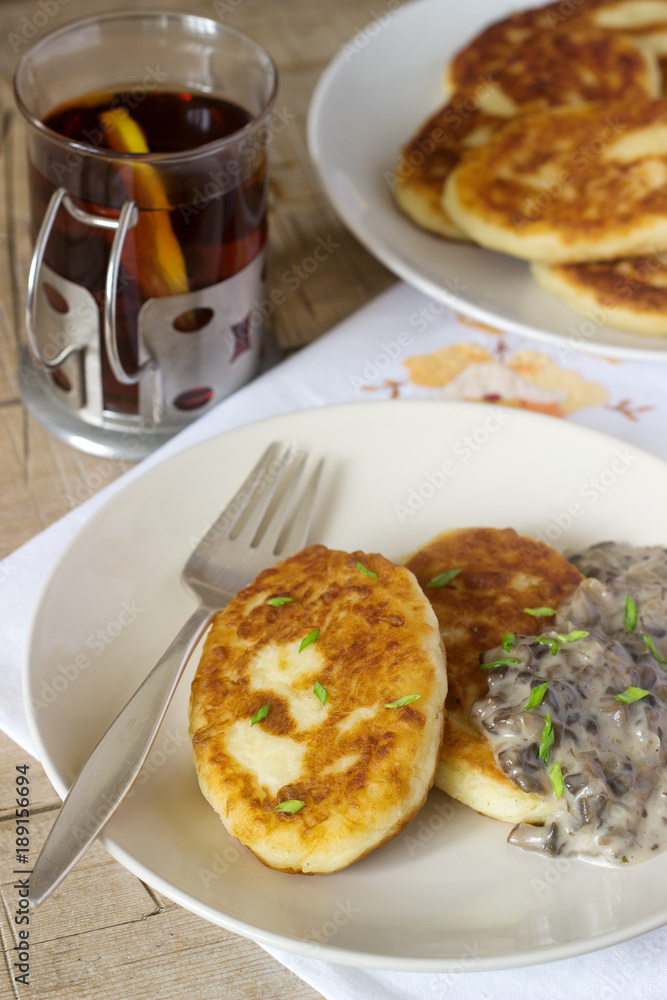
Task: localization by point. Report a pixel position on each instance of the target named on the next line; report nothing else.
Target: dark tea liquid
(215, 204)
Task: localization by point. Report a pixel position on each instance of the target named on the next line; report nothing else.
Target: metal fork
(265, 521)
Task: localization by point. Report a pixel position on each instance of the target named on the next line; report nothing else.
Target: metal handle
(33, 283)
(128, 218)
(111, 769)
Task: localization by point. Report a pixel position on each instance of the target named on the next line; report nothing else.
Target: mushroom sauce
(609, 638)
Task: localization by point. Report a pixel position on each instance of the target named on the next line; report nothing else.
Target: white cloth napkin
(402, 344)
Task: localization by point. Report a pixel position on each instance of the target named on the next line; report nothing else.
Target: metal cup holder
(184, 368)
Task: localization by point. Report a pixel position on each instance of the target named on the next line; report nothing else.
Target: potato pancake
(491, 577)
(427, 160)
(643, 20)
(569, 185)
(527, 62)
(317, 709)
(629, 293)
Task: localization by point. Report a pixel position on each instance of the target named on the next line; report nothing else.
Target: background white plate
(368, 103)
(449, 888)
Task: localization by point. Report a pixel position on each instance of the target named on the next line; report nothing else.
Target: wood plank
(103, 933)
(42, 793)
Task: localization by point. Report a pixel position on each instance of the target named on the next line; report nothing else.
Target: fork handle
(110, 771)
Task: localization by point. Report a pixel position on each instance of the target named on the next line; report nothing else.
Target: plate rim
(328, 952)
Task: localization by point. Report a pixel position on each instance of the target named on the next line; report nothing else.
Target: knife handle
(112, 767)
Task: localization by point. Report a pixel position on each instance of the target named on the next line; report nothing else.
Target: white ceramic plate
(448, 893)
(380, 87)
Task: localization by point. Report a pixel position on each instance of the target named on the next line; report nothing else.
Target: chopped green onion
(276, 602)
(261, 714)
(649, 642)
(578, 633)
(536, 695)
(444, 578)
(556, 777)
(321, 692)
(289, 806)
(539, 612)
(405, 700)
(545, 641)
(499, 663)
(630, 621)
(631, 695)
(368, 572)
(508, 641)
(547, 740)
(311, 637)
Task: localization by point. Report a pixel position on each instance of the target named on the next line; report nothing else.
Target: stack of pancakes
(552, 147)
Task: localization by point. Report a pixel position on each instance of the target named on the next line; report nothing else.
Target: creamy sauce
(613, 756)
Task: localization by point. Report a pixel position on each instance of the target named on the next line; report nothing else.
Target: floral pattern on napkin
(492, 366)
(526, 379)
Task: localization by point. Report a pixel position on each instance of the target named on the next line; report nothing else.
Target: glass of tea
(147, 142)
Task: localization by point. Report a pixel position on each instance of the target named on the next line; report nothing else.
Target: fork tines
(267, 511)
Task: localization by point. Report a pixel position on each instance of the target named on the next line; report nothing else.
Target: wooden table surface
(104, 933)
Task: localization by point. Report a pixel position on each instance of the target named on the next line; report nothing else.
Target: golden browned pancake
(357, 765)
(643, 20)
(568, 185)
(630, 294)
(501, 574)
(513, 67)
(524, 63)
(427, 160)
